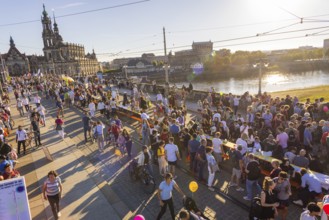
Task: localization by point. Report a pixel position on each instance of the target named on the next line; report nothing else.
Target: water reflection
(275, 78)
(271, 82)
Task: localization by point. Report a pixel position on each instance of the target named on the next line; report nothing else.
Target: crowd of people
(292, 132)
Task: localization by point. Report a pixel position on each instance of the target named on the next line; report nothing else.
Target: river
(271, 82)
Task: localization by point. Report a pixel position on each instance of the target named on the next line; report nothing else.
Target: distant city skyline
(130, 28)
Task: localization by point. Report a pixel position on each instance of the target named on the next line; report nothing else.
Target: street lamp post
(125, 68)
(260, 74)
(260, 80)
(166, 67)
(54, 70)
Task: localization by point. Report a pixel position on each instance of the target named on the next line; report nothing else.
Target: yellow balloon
(193, 186)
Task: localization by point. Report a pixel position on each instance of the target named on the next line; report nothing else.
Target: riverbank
(312, 93)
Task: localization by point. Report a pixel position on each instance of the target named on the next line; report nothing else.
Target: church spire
(12, 44)
(45, 14)
(55, 24)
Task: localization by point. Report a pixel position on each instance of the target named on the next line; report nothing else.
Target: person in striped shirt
(52, 191)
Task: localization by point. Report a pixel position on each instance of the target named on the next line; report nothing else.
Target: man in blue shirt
(193, 146)
(86, 125)
(165, 195)
(311, 187)
(308, 138)
(174, 130)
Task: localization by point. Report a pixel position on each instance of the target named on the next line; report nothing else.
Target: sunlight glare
(265, 10)
(274, 79)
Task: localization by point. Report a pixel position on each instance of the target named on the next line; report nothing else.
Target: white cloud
(71, 5)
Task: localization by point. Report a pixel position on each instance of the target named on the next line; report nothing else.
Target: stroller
(190, 205)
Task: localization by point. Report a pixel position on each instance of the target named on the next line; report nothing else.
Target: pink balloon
(325, 108)
(139, 217)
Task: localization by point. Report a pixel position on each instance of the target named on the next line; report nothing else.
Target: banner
(14, 203)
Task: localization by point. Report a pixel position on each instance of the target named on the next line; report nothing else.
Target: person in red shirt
(10, 172)
(114, 129)
(165, 135)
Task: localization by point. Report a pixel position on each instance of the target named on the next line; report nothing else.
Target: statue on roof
(12, 44)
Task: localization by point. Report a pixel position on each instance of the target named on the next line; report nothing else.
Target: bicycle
(30, 137)
(141, 173)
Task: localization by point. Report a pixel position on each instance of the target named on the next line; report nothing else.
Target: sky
(129, 28)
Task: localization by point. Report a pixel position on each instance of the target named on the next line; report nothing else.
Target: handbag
(214, 167)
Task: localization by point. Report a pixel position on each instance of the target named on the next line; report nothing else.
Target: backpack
(255, 209)
(5, 149)
(291, 136)
(189, 204)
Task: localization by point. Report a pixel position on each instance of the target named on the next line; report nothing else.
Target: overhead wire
(79, 13)
(280, 28)
(102, 9)
(271, 40)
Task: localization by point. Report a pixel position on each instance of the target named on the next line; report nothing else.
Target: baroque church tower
(59, 57)
(47, 35)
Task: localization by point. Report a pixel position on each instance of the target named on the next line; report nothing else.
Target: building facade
(200, 52)
(58, 57)
(15, 61)
(146, 57)
(61, 57)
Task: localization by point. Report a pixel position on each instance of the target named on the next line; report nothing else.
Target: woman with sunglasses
(165, 195)
(283, 190)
